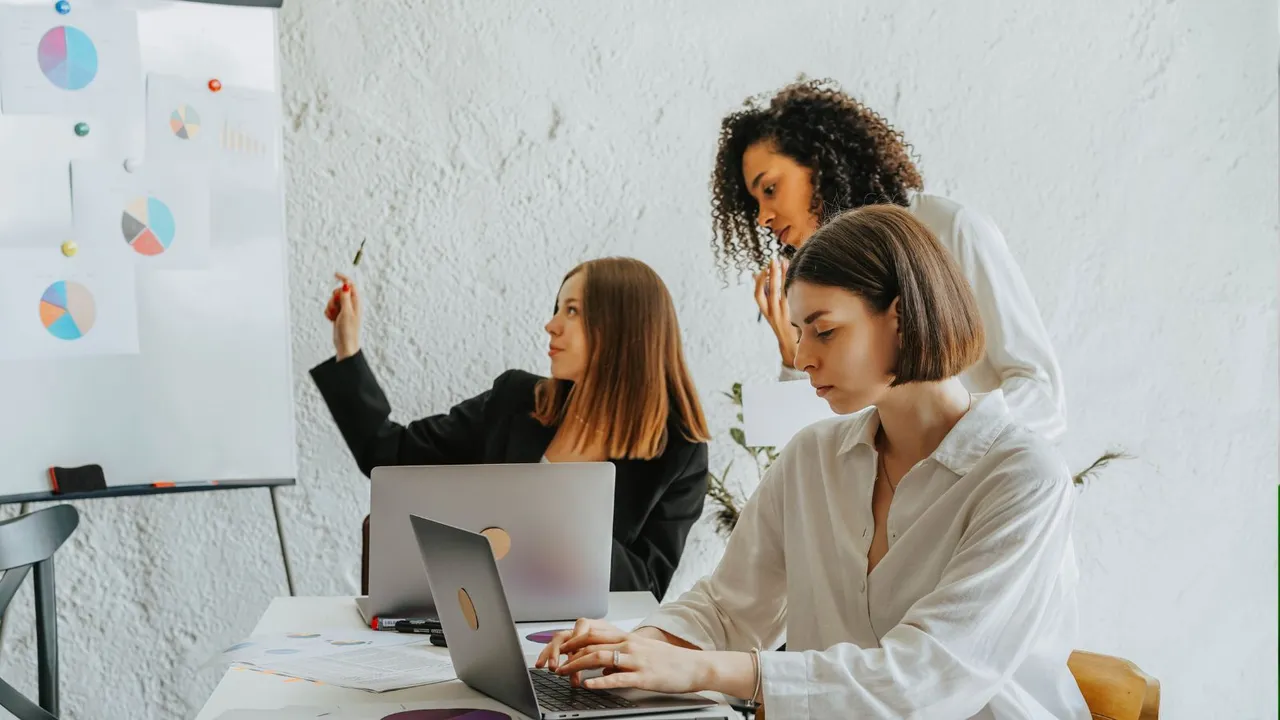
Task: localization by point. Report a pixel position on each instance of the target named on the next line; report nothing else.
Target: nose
(806, 359)
(552, 327)
(765, 216)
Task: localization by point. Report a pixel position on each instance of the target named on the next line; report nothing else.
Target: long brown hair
(636, 378)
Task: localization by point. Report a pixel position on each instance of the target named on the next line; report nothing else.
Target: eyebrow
(814, 316)
(756, 182)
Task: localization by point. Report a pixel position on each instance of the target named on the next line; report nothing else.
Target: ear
(892, 312)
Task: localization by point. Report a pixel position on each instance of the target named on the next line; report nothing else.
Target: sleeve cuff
(784, 677)
(335, 369)
(673, 624)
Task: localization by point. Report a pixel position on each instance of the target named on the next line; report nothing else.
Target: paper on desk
(263, 649)
(375, 669)
(379, 711)
(774, 412)
(392, 711)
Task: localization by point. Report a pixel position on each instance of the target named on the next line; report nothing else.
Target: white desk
(242, 689)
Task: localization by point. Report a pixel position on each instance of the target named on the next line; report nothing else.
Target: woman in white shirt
(955, 600)
(786, 166)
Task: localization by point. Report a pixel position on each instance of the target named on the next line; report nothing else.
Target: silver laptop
(551, 526)
(485, 646)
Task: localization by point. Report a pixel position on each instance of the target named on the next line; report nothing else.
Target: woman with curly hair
(787, 165)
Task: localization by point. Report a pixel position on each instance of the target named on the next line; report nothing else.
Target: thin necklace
(882, 470)
(893, 490)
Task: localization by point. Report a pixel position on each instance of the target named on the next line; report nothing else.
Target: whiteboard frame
(239, 70)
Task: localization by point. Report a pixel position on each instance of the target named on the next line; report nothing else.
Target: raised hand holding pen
(343, 311)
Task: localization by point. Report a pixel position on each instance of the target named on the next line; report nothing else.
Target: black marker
(418, 626)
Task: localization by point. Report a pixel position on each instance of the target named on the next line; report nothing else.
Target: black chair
(29, 541)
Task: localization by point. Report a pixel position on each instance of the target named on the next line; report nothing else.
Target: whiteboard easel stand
(25, 500)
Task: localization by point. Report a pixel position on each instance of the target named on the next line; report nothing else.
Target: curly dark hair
(856, 156)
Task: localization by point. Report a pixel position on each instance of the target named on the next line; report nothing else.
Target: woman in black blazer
(619, 391)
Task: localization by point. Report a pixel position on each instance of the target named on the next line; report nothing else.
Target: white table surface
(244, 689)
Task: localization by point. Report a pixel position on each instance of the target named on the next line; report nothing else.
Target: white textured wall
(1128, 150)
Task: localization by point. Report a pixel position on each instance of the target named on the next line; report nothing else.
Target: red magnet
(215, 85)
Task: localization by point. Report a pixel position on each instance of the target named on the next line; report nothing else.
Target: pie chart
(67, 310)
(148, 226)
(68, 58)
(185, 122)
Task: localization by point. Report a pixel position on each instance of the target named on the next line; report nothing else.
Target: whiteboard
(209, 394)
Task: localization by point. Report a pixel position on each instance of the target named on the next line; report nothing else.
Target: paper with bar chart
(85, 62)
(158, 216)
(234, 132)
(52, 306)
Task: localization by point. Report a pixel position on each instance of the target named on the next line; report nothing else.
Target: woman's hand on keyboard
(584, 632)
(637, 662)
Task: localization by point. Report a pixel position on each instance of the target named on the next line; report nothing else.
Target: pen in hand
(331, 312)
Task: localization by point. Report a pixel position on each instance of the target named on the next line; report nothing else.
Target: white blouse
(971, 612)
(1019, 358)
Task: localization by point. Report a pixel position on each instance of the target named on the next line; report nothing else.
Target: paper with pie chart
(158, 216)
(52, 306)
(88, 61)
(234, 132)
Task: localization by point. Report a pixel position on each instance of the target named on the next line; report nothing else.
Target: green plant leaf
(738, 436)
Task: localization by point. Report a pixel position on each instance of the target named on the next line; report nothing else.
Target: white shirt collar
(960, 450)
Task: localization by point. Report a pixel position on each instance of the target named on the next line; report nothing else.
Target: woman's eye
(826, 334)
(571, 311)
(768, 191)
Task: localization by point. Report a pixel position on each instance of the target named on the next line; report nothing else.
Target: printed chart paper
(52, 306)
(157, 216)
(260, 649)
(374, 669)
(86, 61)
(35, 203)
(234, 131)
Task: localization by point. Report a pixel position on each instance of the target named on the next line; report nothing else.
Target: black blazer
(655, 502)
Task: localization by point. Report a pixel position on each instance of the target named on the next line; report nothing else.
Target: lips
(822, 390)
(553, 351)
(782, 236)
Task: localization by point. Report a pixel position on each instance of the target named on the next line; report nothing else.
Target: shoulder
(515, 389)
(1023, 468)
(681, 452)
(954, 222)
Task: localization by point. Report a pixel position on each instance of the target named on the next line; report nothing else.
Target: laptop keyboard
(557, 694)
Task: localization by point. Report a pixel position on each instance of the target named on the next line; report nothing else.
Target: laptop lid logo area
(468, 609)
(499, 540)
